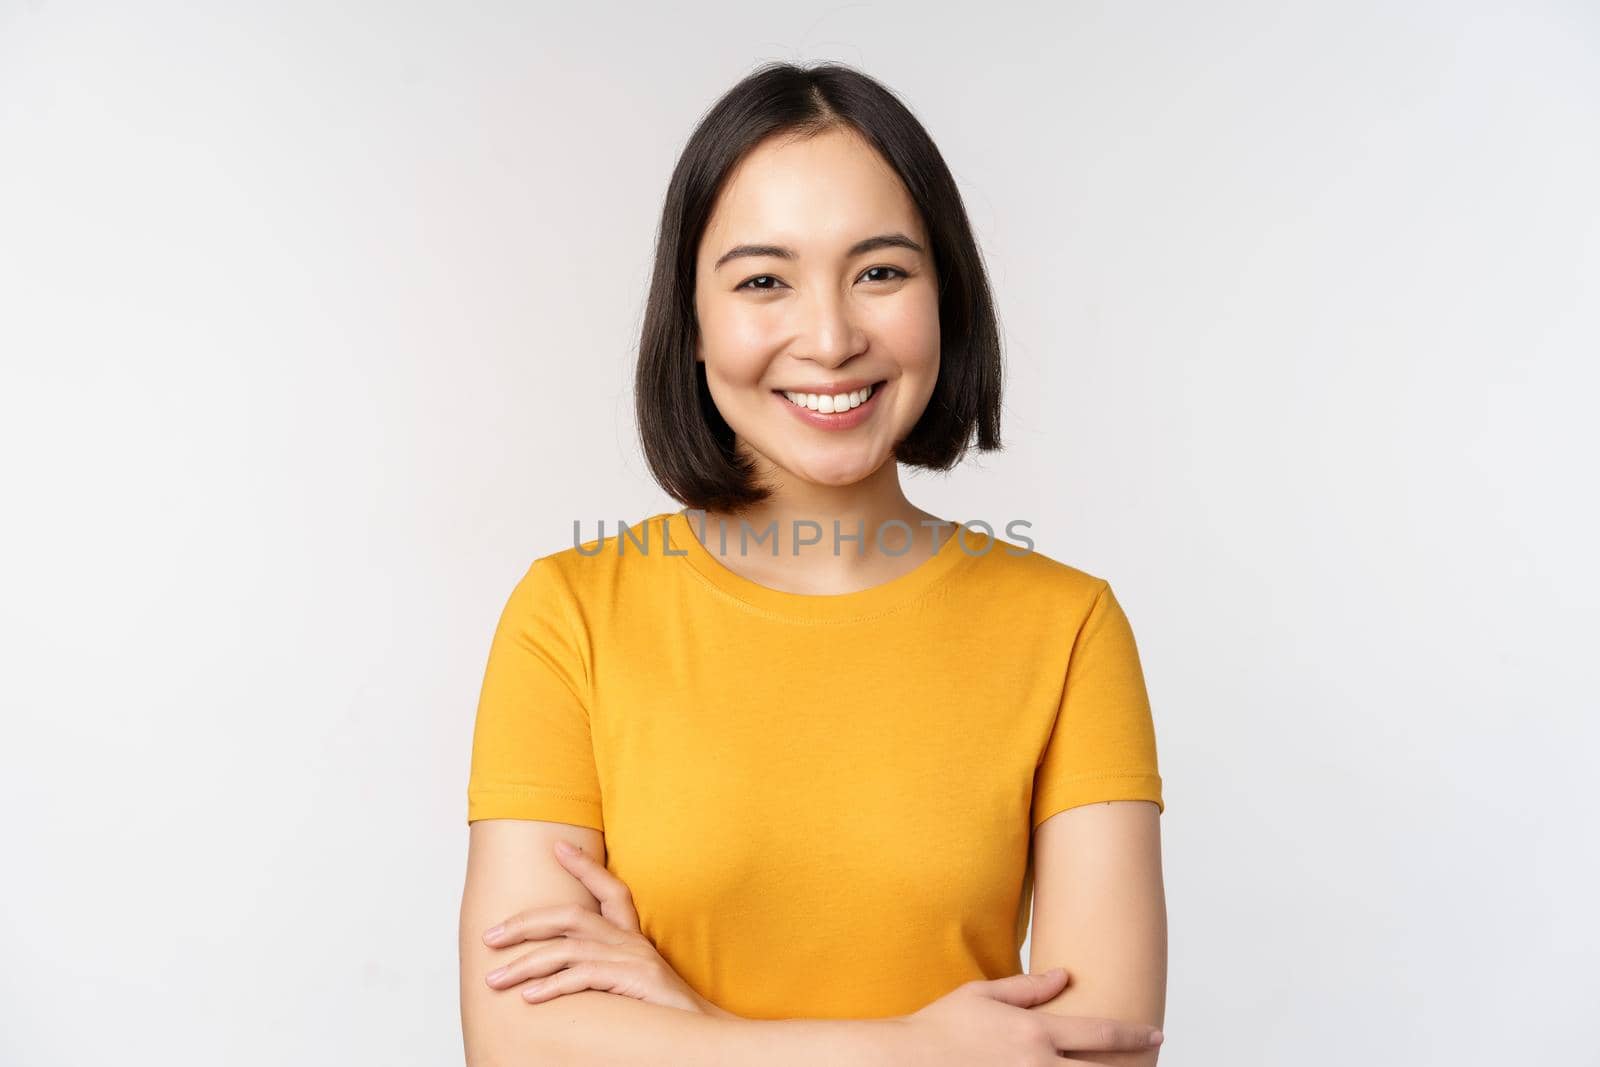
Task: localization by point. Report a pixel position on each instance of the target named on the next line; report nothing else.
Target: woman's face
(794, 293)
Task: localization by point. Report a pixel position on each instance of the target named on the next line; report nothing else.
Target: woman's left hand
(581, 950)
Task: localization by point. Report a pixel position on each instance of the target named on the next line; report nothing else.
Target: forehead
(820, 192)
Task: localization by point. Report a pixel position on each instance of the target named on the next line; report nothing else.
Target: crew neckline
(821, 607)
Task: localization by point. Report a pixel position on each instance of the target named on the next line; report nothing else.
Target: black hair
(688, 445)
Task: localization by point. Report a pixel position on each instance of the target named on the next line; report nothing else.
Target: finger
(557, 920)
(1077, 1033)
(616, 902)
(501, 931)
(584, 975)
(1025, 990)
(497, 933)
(549, 958)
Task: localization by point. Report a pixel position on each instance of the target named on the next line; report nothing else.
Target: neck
(862, 509)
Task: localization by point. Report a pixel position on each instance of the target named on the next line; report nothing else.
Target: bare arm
(1100, 911)
(510, 867)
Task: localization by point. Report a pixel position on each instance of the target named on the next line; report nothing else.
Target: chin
(833, 475)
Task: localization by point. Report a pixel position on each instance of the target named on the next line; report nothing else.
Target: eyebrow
(870, 244)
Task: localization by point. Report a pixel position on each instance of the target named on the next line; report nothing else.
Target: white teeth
(830, 404)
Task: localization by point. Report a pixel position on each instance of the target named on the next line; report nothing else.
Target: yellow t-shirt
(822, 805)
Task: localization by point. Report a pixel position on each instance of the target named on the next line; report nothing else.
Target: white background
(317, 325)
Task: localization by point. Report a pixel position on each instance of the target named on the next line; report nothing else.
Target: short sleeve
(532, 754)
(1103, 745)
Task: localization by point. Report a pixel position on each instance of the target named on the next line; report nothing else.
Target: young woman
(820, 750)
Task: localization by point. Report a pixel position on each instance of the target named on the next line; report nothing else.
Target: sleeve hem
(1097, 788)
(533, 802)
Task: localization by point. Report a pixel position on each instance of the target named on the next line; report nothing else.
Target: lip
(849, 385)
(838, 420)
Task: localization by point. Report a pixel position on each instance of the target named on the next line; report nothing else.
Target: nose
(829, 335)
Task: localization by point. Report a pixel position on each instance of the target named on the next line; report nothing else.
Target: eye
(749, 283)
(759, 288)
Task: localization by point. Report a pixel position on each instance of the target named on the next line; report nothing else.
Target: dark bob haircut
(687, 444)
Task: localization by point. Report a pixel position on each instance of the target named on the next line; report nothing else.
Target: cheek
(736, 344)
(911, 328)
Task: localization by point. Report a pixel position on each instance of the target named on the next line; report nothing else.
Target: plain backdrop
(318, 324)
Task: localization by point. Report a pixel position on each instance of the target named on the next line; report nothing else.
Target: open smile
(839, 411)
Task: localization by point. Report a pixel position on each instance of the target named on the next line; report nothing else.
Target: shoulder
(601, 555)
(1017, 569)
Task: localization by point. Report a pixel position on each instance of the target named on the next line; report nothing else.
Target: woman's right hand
(981, 1023)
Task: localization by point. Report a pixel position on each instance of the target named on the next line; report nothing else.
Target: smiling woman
(812, 788)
